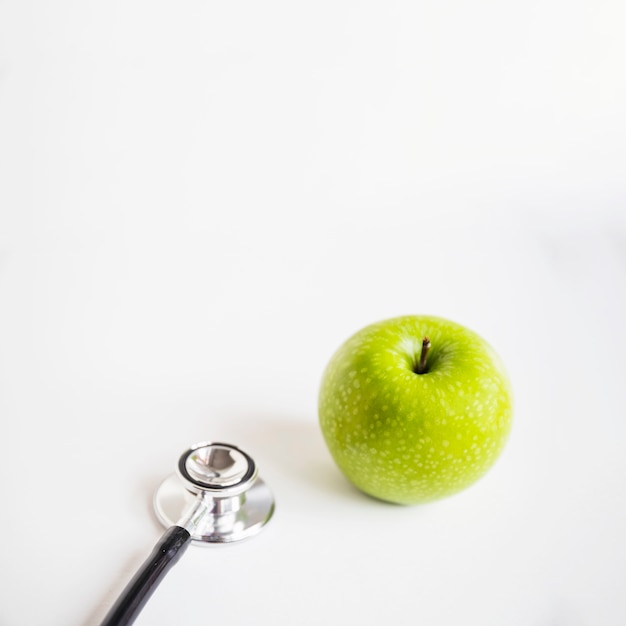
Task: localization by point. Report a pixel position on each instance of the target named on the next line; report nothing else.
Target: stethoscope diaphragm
(236, 502)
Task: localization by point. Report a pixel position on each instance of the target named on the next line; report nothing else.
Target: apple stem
(421, 366)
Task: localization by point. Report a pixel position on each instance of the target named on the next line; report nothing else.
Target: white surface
(200, 201)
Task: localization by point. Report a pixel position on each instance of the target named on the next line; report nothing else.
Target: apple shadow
(295, 453)
(291, 455)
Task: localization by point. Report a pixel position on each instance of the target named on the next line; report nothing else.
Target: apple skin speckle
(411, 438)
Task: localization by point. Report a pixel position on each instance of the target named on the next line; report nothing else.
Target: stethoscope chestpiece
(216, 495)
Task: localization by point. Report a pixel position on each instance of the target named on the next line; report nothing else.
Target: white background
(199, 201)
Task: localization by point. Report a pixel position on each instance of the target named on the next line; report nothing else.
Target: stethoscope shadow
(144, 490)
(123, 576)
(292, 457)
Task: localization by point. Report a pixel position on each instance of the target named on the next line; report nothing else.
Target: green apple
(415, 408)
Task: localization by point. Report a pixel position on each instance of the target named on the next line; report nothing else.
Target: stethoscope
(216, 496)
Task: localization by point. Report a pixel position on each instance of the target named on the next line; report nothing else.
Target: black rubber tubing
(166, 553)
